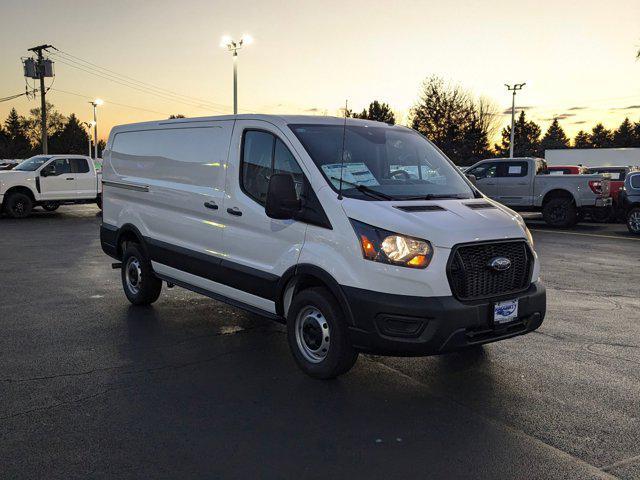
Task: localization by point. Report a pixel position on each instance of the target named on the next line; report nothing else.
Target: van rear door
(259, 249)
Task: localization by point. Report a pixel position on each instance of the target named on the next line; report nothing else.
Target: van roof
(279, 120)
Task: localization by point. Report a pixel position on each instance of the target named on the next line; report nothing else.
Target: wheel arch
(303, 276)
(21, 189)
(558, 193)
(129, 233)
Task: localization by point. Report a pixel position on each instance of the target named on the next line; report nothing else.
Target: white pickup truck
(49, 181)
(519, 183)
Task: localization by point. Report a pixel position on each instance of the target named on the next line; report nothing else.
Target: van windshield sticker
(357, 173)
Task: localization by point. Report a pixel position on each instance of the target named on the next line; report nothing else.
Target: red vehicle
(565, 170)
(618, 175)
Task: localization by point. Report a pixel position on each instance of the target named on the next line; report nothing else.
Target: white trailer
(594, 157)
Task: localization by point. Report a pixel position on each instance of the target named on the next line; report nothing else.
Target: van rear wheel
(140, 284)
(318, 336)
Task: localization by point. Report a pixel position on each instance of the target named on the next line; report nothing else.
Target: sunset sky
(577, 57)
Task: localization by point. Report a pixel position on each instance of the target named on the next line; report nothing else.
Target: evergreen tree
(624, 136)
(4, 143)
(526, 138)
(452, 118)
(636, 132)
(554, 138)
(600, 137)
(380, 112)
(15, 130)
(72, 138)
(582, 140)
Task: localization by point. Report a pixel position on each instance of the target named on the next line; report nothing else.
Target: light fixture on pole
(233, 46)
(514, 89)
(96, 103)
(89, 125)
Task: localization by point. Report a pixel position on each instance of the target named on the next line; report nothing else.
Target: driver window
(486, 170)
(59, 166)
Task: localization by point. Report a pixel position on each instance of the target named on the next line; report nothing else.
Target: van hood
(444, 223)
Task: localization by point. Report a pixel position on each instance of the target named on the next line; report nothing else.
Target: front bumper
(387, 324)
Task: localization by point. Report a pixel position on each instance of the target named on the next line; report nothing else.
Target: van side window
(262, 155)
(79, 165)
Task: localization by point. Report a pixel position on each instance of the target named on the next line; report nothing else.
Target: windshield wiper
(431, 196)
(366, 190)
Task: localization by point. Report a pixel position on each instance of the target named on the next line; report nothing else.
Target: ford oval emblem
(499, 264)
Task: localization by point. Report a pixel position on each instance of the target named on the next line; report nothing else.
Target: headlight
(383, 246)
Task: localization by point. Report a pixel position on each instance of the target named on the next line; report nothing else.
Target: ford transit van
(359, 236)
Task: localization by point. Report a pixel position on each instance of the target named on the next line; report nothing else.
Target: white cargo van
(361, 237)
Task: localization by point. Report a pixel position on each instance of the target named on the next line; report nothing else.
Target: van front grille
(471, 277)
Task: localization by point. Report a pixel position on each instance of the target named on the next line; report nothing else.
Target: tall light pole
(96, 103)
(89, 125)
(514, 89)
(233, 46)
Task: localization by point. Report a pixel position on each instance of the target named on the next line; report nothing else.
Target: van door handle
(234, 211)
(211, 205)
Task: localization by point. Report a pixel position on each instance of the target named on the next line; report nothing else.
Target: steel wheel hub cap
(133, 275)
(312, 334)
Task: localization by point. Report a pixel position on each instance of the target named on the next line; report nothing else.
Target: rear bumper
(604, 202)
(401, 325)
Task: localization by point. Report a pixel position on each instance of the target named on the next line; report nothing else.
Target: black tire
(18, 205)
(99, 201)
(51, 206)
(560, 212)
(633, 220)
(140, 284)
(321, 348)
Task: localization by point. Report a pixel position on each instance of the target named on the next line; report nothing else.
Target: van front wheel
(140, 284)
(318, 336)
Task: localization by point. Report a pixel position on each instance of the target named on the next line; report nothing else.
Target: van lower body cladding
(379, 323)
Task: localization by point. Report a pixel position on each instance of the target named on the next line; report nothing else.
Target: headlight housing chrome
(383, 246)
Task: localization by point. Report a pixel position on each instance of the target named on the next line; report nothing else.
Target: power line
(165, 91)
(137, 88)
(110, 102)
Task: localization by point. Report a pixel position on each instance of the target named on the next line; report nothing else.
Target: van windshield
(32, 164)
(381, 163)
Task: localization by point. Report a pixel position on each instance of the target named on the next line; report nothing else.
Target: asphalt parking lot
(92, 387)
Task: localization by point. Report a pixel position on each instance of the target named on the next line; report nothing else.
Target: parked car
(630, 201)
(49, 181)
(617, 176)
(565, 170)
(8, 165)
(360, 236)
(520, 184)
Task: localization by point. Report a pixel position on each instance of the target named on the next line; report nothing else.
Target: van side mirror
(472, 178)
(282, 200)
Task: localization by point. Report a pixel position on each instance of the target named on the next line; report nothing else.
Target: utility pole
(43, 104)
(516, 87)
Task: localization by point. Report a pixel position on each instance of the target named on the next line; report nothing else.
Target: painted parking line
(548, 230)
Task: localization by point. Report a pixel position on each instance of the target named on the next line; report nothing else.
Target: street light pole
(96, 103)
(514, 89)
(233, 47)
